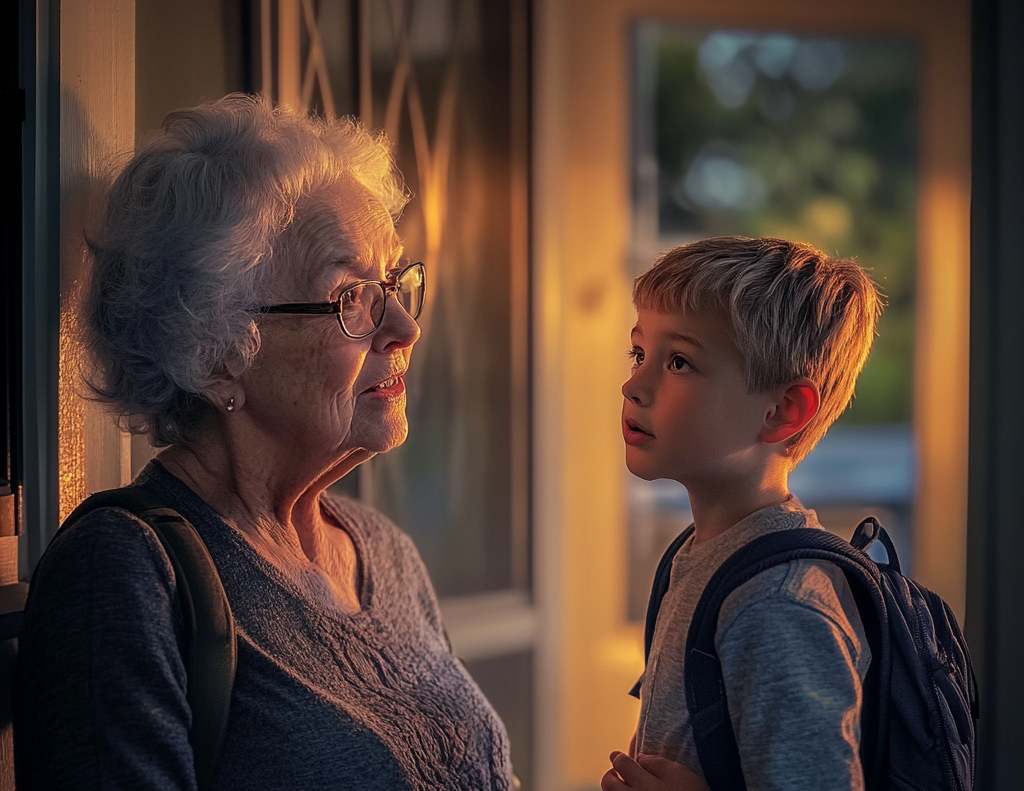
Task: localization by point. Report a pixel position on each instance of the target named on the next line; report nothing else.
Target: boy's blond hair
(794, 312)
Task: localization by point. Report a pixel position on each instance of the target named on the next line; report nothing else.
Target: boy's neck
(714, 512)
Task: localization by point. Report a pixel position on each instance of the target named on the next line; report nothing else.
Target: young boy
(744, 353)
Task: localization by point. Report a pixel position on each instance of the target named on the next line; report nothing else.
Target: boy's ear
(796, 404)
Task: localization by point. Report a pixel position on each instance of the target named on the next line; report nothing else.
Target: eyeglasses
(360, 307)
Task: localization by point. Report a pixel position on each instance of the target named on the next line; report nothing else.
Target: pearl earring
(231, 404)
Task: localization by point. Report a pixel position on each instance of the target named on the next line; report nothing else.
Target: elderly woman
(251, 311)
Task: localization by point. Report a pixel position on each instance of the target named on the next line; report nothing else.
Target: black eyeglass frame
(389, 287)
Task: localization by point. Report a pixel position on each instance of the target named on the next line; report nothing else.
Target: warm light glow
(71, 413)
(433, 158)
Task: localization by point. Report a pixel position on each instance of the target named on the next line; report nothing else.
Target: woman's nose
(397, 330)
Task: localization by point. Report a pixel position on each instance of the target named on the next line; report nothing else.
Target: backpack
(920, 699)
(210, 651)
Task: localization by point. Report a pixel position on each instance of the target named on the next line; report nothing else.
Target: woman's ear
(796, 404)
(226, 394)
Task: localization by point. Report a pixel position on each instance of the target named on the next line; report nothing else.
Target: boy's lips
(633, 433)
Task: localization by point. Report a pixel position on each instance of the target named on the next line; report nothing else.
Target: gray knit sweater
(321, 700)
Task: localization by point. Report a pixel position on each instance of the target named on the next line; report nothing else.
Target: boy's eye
(636, 354)
(678, 363)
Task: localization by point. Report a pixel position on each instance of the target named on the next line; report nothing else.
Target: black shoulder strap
(210, 651)
(659, 588)
(705, 687)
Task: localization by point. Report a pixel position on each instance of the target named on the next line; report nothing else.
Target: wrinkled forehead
(362, 220)
(344, 224)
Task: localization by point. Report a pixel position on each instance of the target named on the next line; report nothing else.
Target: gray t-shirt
(794, 656)
(322, 700)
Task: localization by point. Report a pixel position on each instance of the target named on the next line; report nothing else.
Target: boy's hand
(649, 773)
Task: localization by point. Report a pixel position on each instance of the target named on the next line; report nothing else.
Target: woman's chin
(397, 438)
(380, 437)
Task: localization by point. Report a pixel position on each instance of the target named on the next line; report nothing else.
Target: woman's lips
(389, 388)
(633, 434)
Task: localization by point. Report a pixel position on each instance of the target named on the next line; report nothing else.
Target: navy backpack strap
(210, 650)
(705, 687)
(659, 588)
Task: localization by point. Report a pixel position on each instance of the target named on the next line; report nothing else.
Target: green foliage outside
(761, 134)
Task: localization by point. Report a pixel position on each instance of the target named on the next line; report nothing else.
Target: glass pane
(769, 133)
(447, 86)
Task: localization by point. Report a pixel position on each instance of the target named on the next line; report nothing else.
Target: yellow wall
(589, 655)
(97, 132)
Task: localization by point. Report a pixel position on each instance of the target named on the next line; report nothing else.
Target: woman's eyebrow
(339, 273)
(353, 266)
(340, 265)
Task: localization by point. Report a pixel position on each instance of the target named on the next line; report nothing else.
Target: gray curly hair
(186, 250)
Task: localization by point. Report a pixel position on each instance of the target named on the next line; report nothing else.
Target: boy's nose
(633, 391)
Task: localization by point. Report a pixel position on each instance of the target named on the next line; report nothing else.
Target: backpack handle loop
(866, 533)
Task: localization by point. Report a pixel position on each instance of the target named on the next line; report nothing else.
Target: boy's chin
(641, 471)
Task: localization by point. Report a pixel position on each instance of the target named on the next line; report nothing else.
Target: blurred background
(555, 148)
(739, 132)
